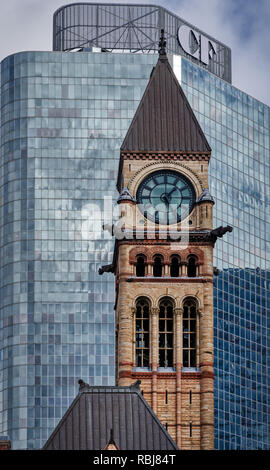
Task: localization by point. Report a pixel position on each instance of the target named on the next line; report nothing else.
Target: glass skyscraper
(63, 118)
(237, 127)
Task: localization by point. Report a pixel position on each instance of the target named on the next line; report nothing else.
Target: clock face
(166, 197)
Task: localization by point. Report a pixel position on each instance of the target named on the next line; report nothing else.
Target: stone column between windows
(154, 355)
(178, 313)
(125, 344)
(150, 269)
(134, 269)
(199, 268)
(166, 270)
(184, 268)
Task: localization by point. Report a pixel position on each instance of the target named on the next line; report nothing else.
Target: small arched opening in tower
(191, 268)
(140, 266)
(174, 266)
(158, 268)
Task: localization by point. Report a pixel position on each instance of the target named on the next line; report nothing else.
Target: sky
(243, 25)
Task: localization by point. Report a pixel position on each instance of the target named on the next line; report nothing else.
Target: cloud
(243, 25)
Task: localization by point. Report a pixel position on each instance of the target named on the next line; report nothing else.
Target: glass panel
(193, 341)
(146, 340)
(193, 312)
(169, 312)
(139, 358)
(161, 358)
(161, 325)
(185, 325)
(169, 340)
(145, 325)
(192, 358)
(162, 340)
(169, 358)
(185, 358)
(138, 340)
(145, 359)
(185, 341)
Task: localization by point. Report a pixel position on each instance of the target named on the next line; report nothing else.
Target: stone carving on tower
(163, 261)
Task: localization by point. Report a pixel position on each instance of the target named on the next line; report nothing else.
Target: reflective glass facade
(238, 130)
(63, 119)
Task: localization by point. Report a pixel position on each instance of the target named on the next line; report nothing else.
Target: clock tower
(163, 262)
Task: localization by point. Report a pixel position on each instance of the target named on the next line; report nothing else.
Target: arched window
(142, 332)
(189, 333)
(191, 269)
(174, 267)
(140, 266)
(166, 333)
(157, 268)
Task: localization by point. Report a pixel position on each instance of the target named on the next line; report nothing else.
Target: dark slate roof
(96, 411)
(125, 196)
(164, 120)
(205, 196)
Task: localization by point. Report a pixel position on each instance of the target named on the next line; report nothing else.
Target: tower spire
(162, 44)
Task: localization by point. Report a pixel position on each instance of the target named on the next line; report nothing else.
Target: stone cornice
(162, 155)
(188, 237)
(169, 280)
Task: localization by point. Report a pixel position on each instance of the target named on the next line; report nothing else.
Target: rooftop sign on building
(136, 28)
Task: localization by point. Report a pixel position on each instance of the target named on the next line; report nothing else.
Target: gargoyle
(109, 268)
(219, 232)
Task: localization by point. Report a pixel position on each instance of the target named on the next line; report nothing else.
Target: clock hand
(171, 192)
(164, 198)
(167, 199)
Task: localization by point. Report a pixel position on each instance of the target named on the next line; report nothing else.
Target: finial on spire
(162, 44)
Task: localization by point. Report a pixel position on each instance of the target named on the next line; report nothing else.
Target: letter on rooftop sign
(195, 44)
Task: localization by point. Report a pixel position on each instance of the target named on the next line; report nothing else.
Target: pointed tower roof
(164, 120)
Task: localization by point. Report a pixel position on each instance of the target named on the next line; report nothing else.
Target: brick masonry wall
(5, 445)
(188, 412)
